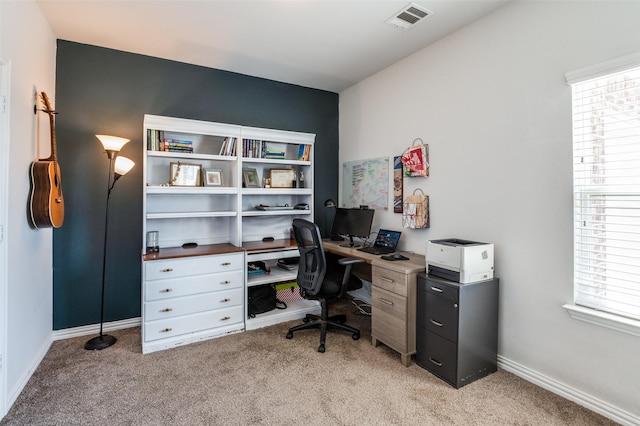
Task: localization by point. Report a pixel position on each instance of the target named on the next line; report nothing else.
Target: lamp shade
(122, 166)
(112, 143)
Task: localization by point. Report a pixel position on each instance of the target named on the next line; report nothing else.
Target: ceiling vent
(408, 16)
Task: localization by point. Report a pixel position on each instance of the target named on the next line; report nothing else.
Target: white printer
(460, 260)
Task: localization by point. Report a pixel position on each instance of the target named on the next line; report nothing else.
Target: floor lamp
(118, 166)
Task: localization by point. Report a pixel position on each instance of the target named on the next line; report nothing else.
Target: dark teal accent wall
(104, 91)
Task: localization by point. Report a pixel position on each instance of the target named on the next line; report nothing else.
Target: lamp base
(100, 342)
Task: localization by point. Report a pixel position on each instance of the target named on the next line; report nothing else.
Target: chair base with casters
(330, 290)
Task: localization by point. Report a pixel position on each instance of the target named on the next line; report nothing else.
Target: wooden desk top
(416, 262)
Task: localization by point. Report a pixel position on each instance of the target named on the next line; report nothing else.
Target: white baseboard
(592, 403)
(86, 330)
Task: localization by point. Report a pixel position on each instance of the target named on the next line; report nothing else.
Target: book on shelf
(155, 140)
(303, 152)
(228, 147)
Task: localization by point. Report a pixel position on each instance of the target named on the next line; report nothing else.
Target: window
(606, 189)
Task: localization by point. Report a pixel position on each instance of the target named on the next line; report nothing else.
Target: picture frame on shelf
(212, 177)
(185, 174)
(282, 178)
(250, 178)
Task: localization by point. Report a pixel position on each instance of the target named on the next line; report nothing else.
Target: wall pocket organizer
(416, 210)
(415, 159)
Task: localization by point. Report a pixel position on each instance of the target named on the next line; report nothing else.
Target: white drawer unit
(192, 298)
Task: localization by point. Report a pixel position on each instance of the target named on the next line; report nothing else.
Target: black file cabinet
(457, 329)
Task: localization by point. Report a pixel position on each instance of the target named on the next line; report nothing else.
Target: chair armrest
(349, 260)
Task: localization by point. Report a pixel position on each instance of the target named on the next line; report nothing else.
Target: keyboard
(376, 250)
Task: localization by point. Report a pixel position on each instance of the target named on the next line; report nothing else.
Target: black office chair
(316, 284)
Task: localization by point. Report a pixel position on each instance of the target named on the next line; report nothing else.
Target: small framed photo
(250, 178)
(283, 178)
(212, 177)
(183, 174)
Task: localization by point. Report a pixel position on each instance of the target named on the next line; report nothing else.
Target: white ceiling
(323, 44)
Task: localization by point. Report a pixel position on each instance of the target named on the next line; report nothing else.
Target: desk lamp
(118, 167)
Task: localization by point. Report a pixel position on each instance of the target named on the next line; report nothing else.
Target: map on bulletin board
(366, 182)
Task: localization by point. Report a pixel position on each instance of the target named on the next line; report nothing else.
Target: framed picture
(283, 178)
(212, 177)
(250, 178)
(183, 174)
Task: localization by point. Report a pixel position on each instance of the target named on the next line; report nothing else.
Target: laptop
(386, 242)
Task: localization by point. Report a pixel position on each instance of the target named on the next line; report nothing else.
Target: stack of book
(274, 154)
(176, 145)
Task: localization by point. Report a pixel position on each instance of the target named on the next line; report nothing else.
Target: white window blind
(606, 177)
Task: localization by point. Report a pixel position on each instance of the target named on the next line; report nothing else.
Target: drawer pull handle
(225, 282)
(225, 318)
(434, 322)
(225, 300)
(435, 361)
(166, 330)
(167, 270)
(226, 264)
(166, 310)
(386, 302)
(439, 290)
(166, 290)
(389, 280)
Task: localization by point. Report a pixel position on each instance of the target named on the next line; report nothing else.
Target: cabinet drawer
(174, 307)
(161, 329)
(162, 269)
(437, 355)
(389, 280)
(440, 317)
(448, 290)
(389, 319)
(184, 286)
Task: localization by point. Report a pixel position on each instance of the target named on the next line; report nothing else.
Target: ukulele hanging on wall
(46, 203)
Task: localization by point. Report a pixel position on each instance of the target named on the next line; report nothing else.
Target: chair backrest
(313, 264)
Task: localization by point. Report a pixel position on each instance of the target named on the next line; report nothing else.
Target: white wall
(30, 46)
(492, 102)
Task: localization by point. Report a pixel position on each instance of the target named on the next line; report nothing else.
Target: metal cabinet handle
(225, 282)
(166, 310)
(166, 290)
(225, 264)
(439, 290)
(225, 300)
(435, 361)
(387, 302)
(225, 318)
(167, 270)
(389, 280)
(166, 330)
(434, 322)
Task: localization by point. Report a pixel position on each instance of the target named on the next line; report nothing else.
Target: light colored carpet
(260, 377)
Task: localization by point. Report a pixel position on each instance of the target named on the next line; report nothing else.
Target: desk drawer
(161, 329)
(174, 307)
(389, 319)
(395, 282)
(173, 268)
(184, 286)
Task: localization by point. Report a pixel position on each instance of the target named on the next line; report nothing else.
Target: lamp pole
(103, 341)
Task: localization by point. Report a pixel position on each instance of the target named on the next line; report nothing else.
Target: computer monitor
(352, 223)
